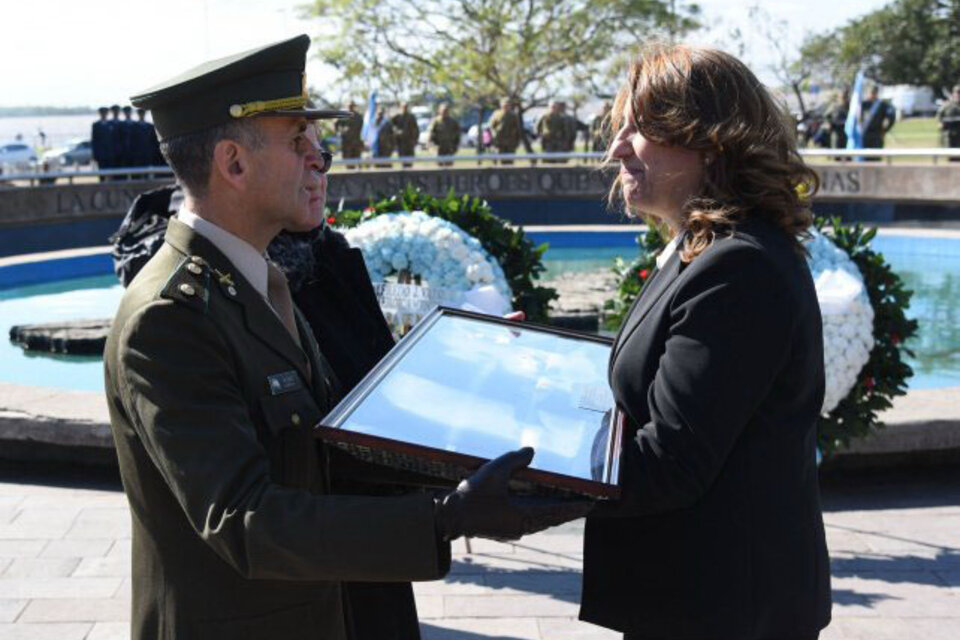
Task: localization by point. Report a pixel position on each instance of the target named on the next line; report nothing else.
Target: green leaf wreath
(522, 262)
(883, 377)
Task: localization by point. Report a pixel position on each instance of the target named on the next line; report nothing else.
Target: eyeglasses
(326, 160)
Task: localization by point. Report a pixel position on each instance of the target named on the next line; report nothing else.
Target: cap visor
(309, 114)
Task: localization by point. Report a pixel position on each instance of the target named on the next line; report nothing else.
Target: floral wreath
(520, 262)
(438, 251)
(864, 327)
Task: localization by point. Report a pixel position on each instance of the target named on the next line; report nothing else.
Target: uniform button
(232, 290)
(194, 268)
(196, 259)
(295, 419)
(187, 289)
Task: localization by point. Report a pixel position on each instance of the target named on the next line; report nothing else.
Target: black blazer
(719, 534)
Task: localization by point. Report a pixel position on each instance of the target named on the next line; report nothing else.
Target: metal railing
(458, 161)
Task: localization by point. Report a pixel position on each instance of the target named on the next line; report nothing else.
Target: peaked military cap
(268, 81)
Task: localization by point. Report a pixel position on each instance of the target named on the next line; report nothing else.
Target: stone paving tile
(4, 563)
(893, 594)
(21, 548)
(92, 548)
(102, 568)
(891, 628)
(510, 606)
(429, 607)
(10, 609)
(48, 524)
(58, 588)
(121, 549)
(9, 507)
(481, 628)
(45, 631)
(109, 631)
(101, 523)
(457, 584)
(573, 629)
(40, 568)
(76, 610)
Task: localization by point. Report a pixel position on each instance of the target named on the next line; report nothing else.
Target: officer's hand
(482, 507)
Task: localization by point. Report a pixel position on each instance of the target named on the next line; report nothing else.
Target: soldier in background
(101, 141)
(570, 128)
(143, 142)
(350, 130)
(948, 116)
(407, 133)
(878, 118)
(836, 118)
(551, 129)
(444, 132)
(128, 138)
(505, 126)
(386, 142)
(600, 128)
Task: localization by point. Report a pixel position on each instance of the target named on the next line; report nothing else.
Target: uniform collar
(248, 261)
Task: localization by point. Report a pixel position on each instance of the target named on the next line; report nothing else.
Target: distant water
(59, 129)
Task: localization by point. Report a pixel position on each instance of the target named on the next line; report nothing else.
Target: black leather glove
(482, 507)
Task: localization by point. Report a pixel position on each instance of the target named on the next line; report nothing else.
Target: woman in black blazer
(718, 369)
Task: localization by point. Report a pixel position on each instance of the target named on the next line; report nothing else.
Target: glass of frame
(463, 388)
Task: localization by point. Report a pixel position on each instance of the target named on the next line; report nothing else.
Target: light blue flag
(853, 127)
(369, 131)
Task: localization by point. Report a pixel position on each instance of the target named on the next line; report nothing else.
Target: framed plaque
(462, 388)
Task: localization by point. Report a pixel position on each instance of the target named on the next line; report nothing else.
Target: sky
(73, 53)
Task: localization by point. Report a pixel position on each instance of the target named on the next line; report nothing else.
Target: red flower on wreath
(894, 339)
(331, 220)
(643, 273)
(869, 383)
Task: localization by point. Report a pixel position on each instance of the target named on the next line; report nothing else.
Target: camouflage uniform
(505, 125)
(386, 139)
(351, 142)
(949, 118)
(445, 133)
(552, 129)
(836, 117)
(407, 131)
(599, 129)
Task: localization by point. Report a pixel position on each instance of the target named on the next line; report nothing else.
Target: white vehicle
(16, 157)
(74, 153)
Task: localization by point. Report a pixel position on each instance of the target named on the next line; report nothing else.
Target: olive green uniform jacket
(408, 132)
(445, 133)
(948, 116)
(233, 535)
(505, 126)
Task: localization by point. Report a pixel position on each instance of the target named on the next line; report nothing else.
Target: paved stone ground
(894, 539)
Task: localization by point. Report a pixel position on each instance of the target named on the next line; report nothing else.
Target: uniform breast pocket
(290, 418)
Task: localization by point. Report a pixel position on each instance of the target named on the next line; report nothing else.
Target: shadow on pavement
(902, 488)
(60, 474)
(850, 598)
(430, 632)
(559, 582)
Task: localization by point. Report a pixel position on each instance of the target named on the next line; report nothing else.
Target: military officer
(444, 132)
(101, 141)
(386, 141)
(407, 133)
(600, 128)
(948, 117)
(350, 130)
(836, 118)
(551, 128)
(505, 126)
(878, 117)
(213, 380)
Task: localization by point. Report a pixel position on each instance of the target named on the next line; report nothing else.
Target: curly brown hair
(706, 100)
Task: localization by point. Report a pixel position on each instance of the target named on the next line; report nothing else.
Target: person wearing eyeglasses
(214, 379)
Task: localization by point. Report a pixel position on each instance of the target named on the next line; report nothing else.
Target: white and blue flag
(854, 124)
(369, 131)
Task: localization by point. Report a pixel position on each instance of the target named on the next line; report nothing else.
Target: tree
(480, 50)
(787, 64)
(906, 42)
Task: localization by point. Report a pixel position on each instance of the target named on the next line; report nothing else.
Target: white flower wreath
(847, 317)
(440, 252)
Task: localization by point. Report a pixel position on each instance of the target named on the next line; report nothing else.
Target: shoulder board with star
(189, 284)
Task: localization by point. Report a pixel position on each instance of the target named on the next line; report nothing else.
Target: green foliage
(633, 275)
(522, 262)
(883, 377)
(906, 42)
(480, 50)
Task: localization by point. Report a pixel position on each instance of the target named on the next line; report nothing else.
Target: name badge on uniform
(284, 382)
